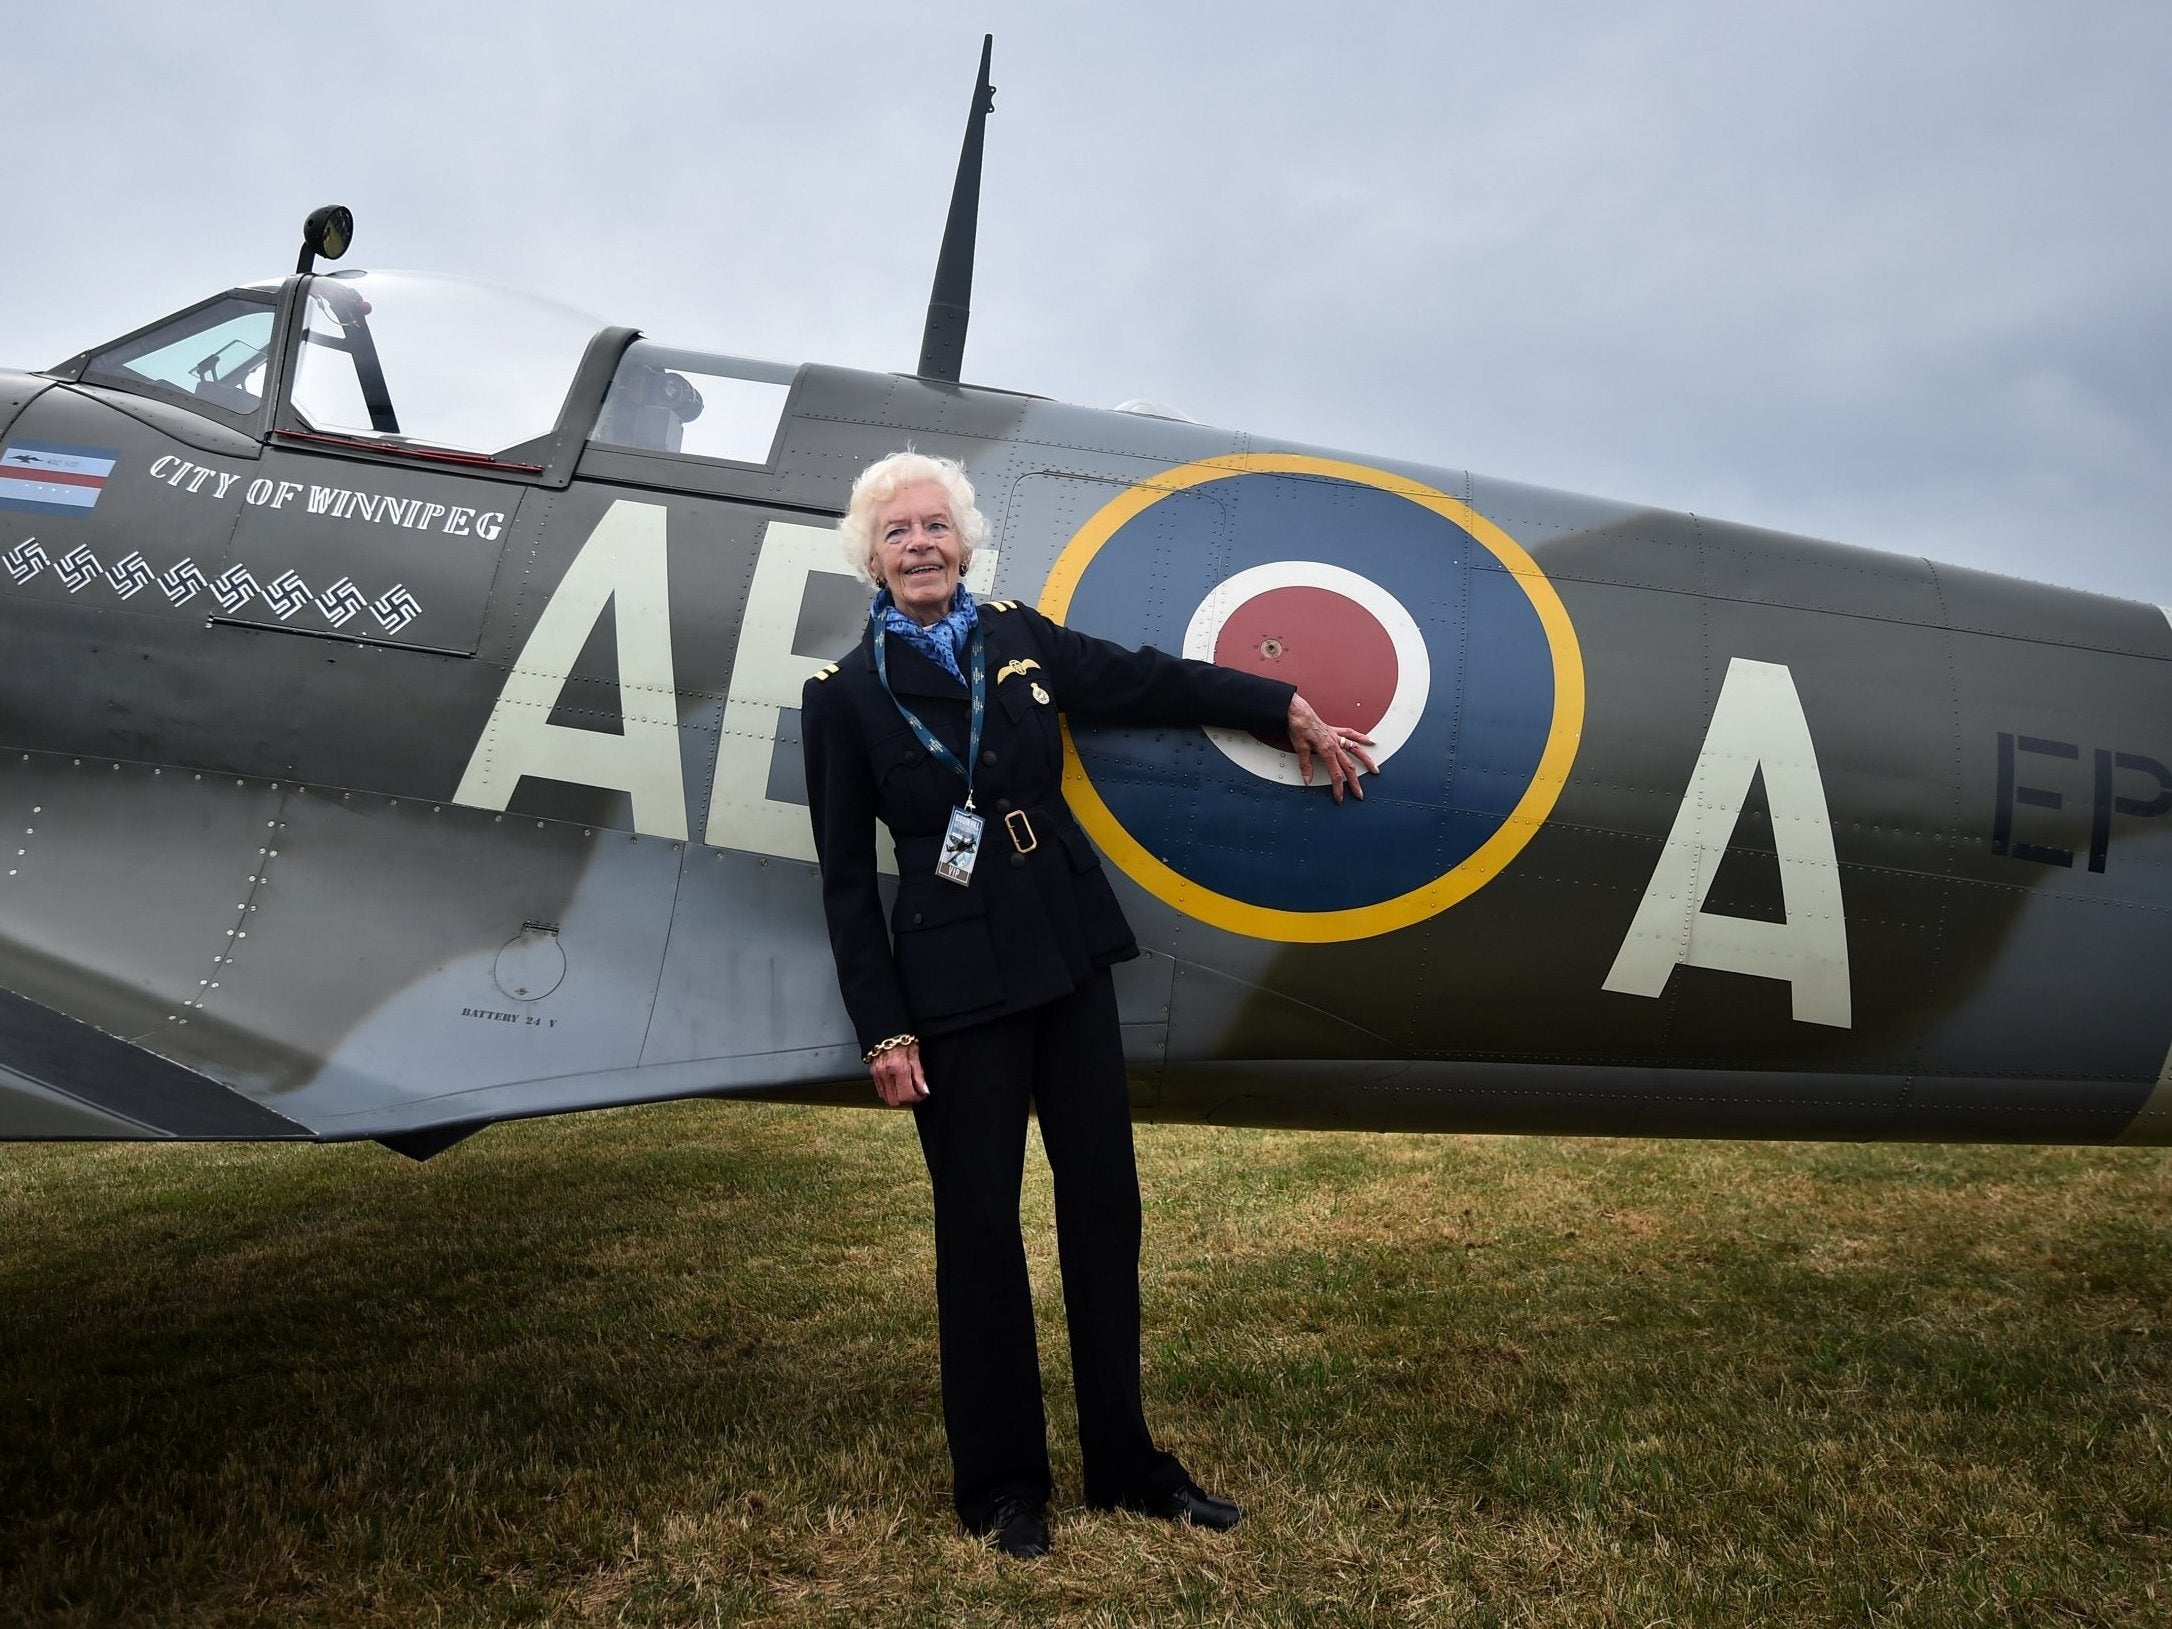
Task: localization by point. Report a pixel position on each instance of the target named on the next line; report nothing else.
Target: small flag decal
(46, 478)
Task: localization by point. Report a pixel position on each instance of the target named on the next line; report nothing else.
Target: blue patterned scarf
(942, 644)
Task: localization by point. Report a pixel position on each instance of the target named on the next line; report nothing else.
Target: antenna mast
(950, 302)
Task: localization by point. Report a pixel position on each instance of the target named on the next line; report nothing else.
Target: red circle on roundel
(1334, 650)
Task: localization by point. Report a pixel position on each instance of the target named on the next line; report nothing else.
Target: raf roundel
(1348, 645)
(1392, 608)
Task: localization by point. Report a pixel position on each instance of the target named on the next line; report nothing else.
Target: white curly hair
(885, 479)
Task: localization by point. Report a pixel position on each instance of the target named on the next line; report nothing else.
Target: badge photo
(961, 848)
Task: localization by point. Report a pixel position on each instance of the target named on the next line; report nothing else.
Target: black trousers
(1065, 1061)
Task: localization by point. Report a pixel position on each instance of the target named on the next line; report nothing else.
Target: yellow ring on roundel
(1359, 921)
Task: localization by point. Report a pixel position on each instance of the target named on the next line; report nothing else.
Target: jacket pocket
(1016, 695)
(945, 958)
(1080, 849)
(896, 753)
(913, 790)
(1107, 936)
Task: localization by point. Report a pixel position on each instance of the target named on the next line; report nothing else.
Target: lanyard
(936, 750)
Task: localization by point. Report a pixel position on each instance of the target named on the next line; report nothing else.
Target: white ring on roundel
(1414, 669)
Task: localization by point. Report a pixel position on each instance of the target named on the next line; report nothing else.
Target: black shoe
(1019, 1529)
(1189, 1502)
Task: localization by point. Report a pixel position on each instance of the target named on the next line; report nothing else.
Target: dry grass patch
(676, 1366)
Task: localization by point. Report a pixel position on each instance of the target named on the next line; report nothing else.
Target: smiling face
(917, 551)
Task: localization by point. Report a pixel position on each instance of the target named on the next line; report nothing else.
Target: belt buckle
(1015, 822)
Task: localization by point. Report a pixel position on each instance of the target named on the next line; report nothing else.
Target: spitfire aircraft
(399, 733)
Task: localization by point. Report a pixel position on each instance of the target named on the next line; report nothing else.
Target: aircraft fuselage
(366, 792)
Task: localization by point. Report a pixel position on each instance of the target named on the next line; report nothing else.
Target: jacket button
(1018, 859)
(1003, 805)
(913, 756)
(988, 756)
(916, 919)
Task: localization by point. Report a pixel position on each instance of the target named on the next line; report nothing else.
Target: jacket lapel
(911, 674)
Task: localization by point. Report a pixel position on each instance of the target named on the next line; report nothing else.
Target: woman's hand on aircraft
(1340, 749)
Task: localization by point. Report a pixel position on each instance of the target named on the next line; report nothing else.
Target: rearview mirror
(327, 232)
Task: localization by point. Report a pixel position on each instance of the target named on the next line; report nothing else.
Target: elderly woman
(987, 992)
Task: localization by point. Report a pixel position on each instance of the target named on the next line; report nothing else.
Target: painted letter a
(623, 565)
(1757, 724)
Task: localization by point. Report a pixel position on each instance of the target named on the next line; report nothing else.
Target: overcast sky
(1894, 273)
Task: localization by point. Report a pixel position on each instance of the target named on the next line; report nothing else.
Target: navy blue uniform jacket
(1032, 926)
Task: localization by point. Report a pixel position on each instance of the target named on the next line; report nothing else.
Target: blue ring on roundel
(1465, 767)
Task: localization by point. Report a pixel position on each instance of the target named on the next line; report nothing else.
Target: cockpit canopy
(694, 403)
(443, 361)
(427, 365)
(215, 355)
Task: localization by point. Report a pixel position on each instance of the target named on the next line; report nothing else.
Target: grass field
(677, 1365)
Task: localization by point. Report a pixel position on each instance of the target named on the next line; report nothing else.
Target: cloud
(1890, 274)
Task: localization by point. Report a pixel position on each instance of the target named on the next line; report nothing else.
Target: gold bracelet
(891, 1045)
